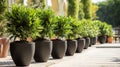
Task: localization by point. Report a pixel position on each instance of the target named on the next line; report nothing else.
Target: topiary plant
(23, 22)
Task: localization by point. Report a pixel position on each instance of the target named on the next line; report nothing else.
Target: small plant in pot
(110, 34)
(79, 38)
(43, 44)
(23, 23)
(93, 33)
(71, 42)
(102, 31)
(61, 29)
(84, 30)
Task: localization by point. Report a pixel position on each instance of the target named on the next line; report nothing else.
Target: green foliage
(81, 13)
(23, 22)
(84, 28)
(62, 26)
(73, 8)
(86, 8)
(109, 12)
(110, 32)
(2, 6)
(74, 28)
(46, 16)
(2, 18)
(103, 28)
(2, 25)
(88, 28)
(94, 29)
(94, 9)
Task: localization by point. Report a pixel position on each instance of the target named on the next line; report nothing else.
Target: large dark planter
(59, 48)
(102, 39)
(80, 45)
(94, 40)
(71, 47)
(43, 48)
(107, 39)
(87, 42)
(22, 52)
(91, 41)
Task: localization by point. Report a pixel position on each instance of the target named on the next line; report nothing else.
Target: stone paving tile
(92, 57)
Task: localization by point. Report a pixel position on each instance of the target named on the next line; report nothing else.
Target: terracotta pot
(110, 39)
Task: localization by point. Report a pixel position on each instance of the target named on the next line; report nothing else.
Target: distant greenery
(73, 8)
(39, 3)
(109, 11)
(81, 13)
(94, 9)
(3, 6)
(86, 8)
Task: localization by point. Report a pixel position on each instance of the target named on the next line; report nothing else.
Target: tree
(109, 12)
(81, 13)
(86, 8)
(73, 8)
(39, 3)
(94, 9)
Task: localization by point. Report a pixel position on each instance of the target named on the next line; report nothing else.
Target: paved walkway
(106, 55)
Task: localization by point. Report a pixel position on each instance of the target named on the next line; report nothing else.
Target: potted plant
(71, 42)
(93, 32)
(61, 29)
(102, 31)
(43, 44)
(80, 40)
(84, 26)
(22, 24)
(110, 34)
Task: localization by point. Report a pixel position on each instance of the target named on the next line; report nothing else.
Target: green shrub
(23, 22)
(74, 33)
(62, 26)
(103, 27)
(110, 32)
(93, 29)
(46, 16)
(84, 28)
